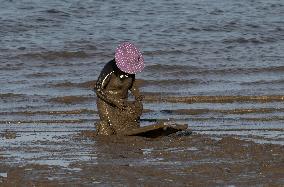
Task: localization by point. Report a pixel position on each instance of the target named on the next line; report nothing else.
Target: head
(128, 58)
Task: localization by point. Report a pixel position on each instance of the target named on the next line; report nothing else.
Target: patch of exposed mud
(11, 96)
(8, 135)
(175, 160)
(232, 111)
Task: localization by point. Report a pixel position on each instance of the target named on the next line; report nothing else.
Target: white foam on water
(5, 175)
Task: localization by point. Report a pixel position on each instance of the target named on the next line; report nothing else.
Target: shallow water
(51, 53)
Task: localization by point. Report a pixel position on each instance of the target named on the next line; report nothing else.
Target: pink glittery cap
(128, 58)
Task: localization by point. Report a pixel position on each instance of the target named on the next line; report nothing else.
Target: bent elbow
(99, 92)
(97, 88)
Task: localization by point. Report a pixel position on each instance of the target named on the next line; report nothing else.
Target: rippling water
(216, 65)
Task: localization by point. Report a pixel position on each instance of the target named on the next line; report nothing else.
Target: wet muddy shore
(214, 65)
(176, 160)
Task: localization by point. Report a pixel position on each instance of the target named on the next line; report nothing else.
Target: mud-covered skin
(129, 118)
(114, 110)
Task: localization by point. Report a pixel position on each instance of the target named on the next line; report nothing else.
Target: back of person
(117, 114)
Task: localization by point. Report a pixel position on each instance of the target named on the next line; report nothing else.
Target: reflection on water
(47, 148)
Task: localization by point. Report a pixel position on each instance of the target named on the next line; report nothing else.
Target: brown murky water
(217, 66)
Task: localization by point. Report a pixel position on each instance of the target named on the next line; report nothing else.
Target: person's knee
(103, 128)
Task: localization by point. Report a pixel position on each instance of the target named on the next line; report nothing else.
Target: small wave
(54, 55)
(252, 25)
(166, 52)
(216, 12)
(265, 119)
(221, 27)
(77, 121)
(278, 29)
(143, 82)
(87, 84)
(42, 19)
(273, 69)
(214, 99)
(44, 74)
(162, 67)
(79, 111)
(169, 82)
(232, 111)
(195, 70)
(56, 112)
(265, 82)
(242, 40)
(71, 99)
(57, 12)
(194, 29)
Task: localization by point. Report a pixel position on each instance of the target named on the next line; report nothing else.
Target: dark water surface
(51, 52)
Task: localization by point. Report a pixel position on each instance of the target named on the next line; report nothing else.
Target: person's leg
(104, 125)
(103, 128)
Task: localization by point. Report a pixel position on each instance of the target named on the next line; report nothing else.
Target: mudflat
(175, 160)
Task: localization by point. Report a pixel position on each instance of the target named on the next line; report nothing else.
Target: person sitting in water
(116, 113)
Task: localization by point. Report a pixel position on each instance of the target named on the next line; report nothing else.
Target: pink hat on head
(128, 58)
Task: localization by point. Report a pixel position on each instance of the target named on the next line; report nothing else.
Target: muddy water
(218, 66)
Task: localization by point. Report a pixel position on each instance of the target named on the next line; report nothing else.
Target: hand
(121, 104)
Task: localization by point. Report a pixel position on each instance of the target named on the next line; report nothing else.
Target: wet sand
(176, 160)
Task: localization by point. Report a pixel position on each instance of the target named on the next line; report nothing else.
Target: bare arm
(135, 91)
(101, 84)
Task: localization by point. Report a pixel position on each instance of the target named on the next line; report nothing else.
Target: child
(117, 77)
